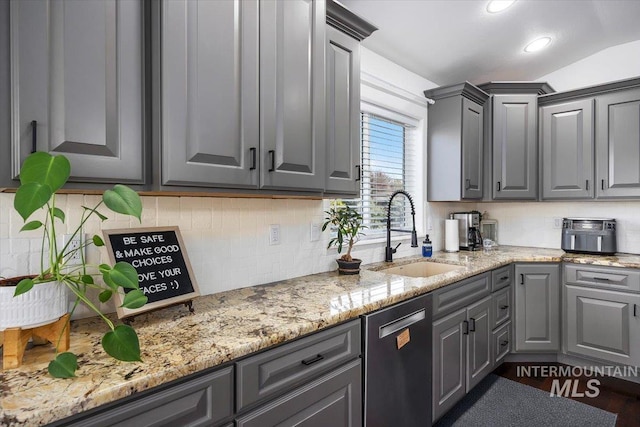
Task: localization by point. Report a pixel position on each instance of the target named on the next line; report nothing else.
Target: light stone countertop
(230, 325)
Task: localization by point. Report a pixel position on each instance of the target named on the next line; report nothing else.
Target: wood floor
(617, 396)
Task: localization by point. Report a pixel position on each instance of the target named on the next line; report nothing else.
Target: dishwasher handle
(402, 323)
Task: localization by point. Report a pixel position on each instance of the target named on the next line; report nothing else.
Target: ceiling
(451, 41)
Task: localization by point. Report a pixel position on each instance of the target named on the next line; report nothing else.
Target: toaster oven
(589, 235)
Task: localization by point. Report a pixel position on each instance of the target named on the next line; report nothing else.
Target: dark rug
(498, 402)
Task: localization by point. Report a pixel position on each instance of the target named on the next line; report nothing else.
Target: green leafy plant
(348, 225)
(41, 176)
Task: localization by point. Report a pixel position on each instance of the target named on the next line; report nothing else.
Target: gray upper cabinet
(512, 145)
(618, 143)
(208, 57)
(345, 31)
(78, 86)
(537, 307)
(455, 143)
(343, 113)
(292, 94)
(515, 147)
(567, 150)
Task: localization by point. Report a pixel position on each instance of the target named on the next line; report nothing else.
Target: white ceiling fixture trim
(496, 6)
(538, 44)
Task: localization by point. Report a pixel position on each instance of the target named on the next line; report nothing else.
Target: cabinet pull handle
(602, 184)
(473, 325)
(312, 360)
(504, 343)
(34, 135)
(522, 279)
(465, 324)
(504, 307)
(498, 185)
(602, 279)
(252, 150)
(503, 278)
(467, 184)
(359, 174)
(635, 310)
(272, 156)
(587, 185)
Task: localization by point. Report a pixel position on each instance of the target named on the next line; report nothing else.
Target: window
(388, 164)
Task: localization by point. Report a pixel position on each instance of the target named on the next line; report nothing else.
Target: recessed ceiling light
(496, 6)
(538, 44)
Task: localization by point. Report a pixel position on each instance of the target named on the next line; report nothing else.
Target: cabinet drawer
(500, 307)
(451, 298)
(334, 399)
(501, 278)
(620, 279)
(282, 368)
(203, 401)
(501, 343)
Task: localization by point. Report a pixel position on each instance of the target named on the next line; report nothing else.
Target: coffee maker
(468, 230)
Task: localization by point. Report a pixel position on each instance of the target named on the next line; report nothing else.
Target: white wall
(615, 63)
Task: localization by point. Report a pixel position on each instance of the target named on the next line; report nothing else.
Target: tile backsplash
(532, 223)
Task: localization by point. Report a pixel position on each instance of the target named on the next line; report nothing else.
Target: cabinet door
(603, 324)
(515, 160)
(618, 144)
(332, 400)
(479, 342)
(78, 84)
(567, 150)
(500, 307)
(209, 93)
(449, 361)
(472, 149)
(343, 113)
(537, 295)
(292, 94)
(203, 401)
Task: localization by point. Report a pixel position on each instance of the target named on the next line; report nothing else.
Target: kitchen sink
(422, 269)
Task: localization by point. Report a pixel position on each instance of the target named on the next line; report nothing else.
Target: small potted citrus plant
(347, 223)
(27, 302)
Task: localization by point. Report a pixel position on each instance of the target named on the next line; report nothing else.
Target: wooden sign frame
(150, 306)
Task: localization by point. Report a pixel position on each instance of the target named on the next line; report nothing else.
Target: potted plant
(348, 225)
(41, 176)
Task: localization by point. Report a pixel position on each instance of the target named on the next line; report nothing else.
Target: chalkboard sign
(164, 272)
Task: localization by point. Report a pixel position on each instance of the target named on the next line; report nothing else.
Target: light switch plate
(274, 234)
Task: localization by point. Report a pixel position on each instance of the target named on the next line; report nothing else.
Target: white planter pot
(43, 304)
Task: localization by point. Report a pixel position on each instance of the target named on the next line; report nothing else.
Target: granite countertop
(230, 325)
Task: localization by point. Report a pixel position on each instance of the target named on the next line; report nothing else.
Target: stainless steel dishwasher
(397, 365)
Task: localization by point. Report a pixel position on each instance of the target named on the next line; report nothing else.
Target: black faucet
(389, 251)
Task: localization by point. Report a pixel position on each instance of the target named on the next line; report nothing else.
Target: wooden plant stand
(14, 340)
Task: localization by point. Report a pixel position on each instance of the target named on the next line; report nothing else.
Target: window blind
(388, 164)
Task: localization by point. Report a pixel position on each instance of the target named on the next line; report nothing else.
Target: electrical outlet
(74, 249)
(274, 234)
(316, 229)
(429, 223)
(557, 223)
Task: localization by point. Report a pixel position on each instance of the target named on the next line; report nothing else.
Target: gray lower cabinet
(618, 144)
(500, 307)
(292, 94)
(500, 343)
(537, 307)
(515, 147)
(603, 324)
(206, 400)
(334, 399)
(343, 114)
(207, 52)
(567, 141)
(461, 354)
(455, 143)
(78, 80)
